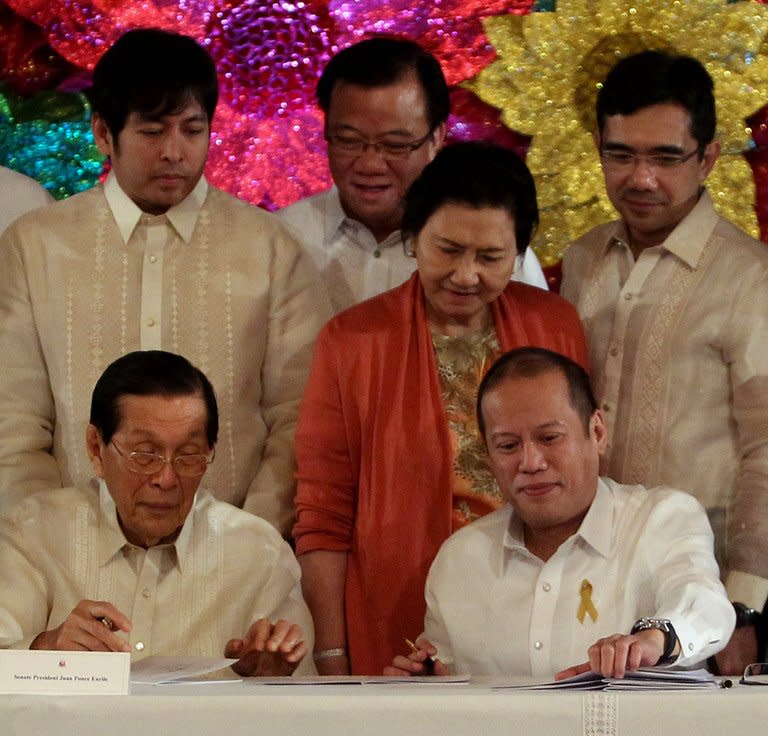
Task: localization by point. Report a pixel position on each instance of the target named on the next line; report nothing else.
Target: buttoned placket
(144, 599)
(157, 232)
(545, 597)
(629, 298)
(377, 264)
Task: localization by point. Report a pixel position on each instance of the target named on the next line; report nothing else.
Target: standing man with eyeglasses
(150, 563)
(386, 104)
(674, 300)
(155, 257)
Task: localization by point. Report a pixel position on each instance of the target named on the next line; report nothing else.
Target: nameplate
(64, 673)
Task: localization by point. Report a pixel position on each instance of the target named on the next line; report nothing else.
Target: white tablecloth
(248, 708)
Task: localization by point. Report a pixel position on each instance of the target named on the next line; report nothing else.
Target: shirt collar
(686, 241)
(336, 221)
(127, 214)
(112, 540)
(596, 528)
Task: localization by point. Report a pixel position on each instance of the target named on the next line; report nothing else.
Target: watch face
(643, 624)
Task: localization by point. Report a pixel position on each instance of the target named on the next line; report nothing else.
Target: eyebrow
(554, 424)
(664, 148)
(141, 435)
(352, 129)
(457, 244)
(160, 119)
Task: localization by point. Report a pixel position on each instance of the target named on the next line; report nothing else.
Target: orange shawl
(374, 457)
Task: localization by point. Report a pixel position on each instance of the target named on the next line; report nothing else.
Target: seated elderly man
(151, 564)
(574, 566)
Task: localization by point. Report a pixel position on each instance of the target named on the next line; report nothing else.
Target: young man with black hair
(155, 257)
(674, 300)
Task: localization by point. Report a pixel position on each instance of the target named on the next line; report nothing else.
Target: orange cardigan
(374, 457)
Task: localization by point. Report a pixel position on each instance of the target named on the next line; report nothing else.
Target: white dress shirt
(353, 265)
(493, 608)
(226, 569)
(678, 349)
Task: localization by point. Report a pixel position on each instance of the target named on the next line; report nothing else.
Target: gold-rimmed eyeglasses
(353, 145)
(623, 159)
(192, 465)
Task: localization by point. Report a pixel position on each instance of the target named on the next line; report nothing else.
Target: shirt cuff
(746, 588)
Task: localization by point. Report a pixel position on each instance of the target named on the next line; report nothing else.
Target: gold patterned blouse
(461, 364)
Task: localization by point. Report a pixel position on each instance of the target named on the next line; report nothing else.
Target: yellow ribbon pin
(586, 607)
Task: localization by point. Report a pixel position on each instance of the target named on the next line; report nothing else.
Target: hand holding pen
(91, 626)
(421, 661)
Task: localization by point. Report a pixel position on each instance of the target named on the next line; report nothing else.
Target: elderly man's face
(151, 508)
(544, 461)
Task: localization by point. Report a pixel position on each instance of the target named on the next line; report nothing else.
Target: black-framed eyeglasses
(755, 674)
(353, 145)
(621, 159)
(192, 465)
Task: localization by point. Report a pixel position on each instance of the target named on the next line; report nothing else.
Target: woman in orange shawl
(389, 458)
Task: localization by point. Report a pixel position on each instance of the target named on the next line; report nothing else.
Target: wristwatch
(664, 625)
(745, 616)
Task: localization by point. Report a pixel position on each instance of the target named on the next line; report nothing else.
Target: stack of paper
(649, 678)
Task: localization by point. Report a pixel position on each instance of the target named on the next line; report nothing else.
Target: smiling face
(466, 256)
(545, 463)
(371, 186)
(157, 160)
(151, 508)
(653, 200)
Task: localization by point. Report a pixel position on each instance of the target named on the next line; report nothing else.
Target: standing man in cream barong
(155, 258)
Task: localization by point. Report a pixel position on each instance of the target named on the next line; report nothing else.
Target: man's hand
(413, 664)
(90, 627)
(268, 650)
(616, 655)
(740, 651)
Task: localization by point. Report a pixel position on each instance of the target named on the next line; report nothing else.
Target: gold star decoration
(550, 66)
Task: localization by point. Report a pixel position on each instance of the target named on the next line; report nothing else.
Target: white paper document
(179, 670)
(646, 678)
(361, 680)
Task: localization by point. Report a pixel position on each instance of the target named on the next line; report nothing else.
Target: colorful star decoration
(549, 70)
(266, 140)
(533, 64)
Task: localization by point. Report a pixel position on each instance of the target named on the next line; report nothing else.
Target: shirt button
(146, 592)
(538, 645)
(153, 259)
(546, 587)
(151, 322)
(627, 297)
(614, 351)
(690, 647)
(139, 646)
(377, 253)
(606, 407)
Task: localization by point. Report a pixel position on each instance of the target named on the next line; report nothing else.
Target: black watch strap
(745, 616)
(663, 625)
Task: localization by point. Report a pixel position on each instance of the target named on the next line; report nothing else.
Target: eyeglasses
(148, 463)
(755, 674)
(619, 159)
(352, 145)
